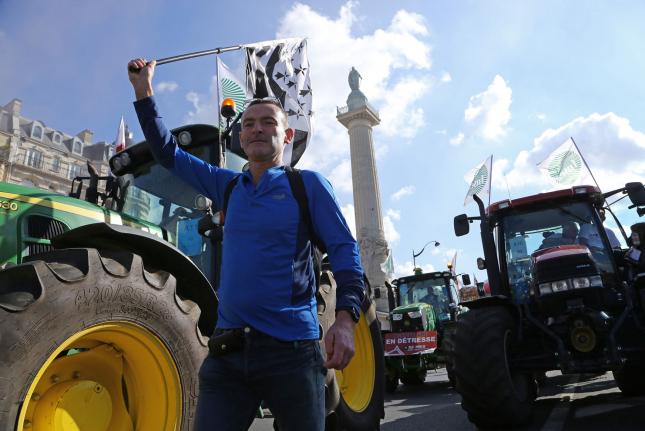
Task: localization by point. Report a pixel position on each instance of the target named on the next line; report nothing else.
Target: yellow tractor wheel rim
(356, 381)
(112, 376)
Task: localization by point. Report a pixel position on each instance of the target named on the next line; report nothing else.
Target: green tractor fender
(156, 253)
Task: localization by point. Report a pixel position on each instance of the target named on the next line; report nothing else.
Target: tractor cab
(427, 295)
(556, 245)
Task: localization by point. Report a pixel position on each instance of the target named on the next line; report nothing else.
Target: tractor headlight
(545, 288)
(414, 314)
(560, 286)
(574, 283)
(397, 316)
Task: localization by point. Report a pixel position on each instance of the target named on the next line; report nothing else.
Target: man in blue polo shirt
(267, 287)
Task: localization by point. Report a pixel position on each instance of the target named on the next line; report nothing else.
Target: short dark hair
(269, 101)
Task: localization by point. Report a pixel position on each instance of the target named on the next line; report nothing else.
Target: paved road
(571, 403)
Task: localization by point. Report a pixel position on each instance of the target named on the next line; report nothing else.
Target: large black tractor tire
(355, 395)
(448, 347)
(630, 378)
(99, 340)
(493, 395)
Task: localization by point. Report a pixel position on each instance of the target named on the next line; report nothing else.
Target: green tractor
(422, 326)
(108, 297)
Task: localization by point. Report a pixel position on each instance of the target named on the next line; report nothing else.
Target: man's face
(264, 133)
(601, 213)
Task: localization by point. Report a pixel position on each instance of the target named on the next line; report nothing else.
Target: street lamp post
(415, 255)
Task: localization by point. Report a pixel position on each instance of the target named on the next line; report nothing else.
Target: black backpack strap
(300, 194)
(227, 196)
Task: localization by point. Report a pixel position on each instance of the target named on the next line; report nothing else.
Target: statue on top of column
(356, 98)
(354, 79)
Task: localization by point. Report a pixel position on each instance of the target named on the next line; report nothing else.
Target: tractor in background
(422, 325)
(563, 297)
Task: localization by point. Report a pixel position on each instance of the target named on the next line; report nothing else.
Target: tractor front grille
(407, 324)
(42, 228)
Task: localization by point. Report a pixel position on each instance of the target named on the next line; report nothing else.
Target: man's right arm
(204, 177)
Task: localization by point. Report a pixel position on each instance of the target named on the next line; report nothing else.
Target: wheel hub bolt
(76, 375)
(27, 424)
(55, 378)
(35, 396)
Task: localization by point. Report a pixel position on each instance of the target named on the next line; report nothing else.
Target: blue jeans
(287, 376)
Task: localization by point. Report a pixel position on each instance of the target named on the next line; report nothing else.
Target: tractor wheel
(391, 383)
(493, 395)
(413, 377)
(630, 378)
(354, 395)
(450, 371)
(96, 341)
(448, 347)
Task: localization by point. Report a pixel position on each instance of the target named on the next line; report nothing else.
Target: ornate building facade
(36, 155)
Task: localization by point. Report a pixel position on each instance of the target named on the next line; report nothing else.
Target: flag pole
(222, 145)
(584, 161)
(490, 183)
(190, 55)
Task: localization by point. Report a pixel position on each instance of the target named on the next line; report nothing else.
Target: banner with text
(409, 343)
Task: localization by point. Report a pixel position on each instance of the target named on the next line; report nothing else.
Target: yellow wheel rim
(112, 376)
(356, 381)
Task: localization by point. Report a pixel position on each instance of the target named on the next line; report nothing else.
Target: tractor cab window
(530, 233)
(430, 291)
(164, 200)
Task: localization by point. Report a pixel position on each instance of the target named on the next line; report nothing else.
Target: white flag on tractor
(229, 86)
(119, 142)
(565, 166)
(280, 69)
(480, 180)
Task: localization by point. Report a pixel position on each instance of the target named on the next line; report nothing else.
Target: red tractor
(564, 296)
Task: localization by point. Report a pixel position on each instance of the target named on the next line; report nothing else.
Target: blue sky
(454, 81)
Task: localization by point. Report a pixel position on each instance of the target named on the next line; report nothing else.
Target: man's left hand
(339, 341)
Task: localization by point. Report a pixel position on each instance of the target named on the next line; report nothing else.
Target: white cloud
(403, 191)
(406, 268)
(391, 234)
(398, 118)
(457, 140)
(488, 113)
(445, 77)
(541, 116)
(613, 149)
(441, 132)
(398, 54)
(350, 217)
(341, 176)
(166, 87)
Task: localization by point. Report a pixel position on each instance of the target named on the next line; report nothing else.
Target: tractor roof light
(185, 138)
(228, 108)
(414, 314)
(580, 190)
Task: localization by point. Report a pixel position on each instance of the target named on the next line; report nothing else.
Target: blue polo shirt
(267, 277)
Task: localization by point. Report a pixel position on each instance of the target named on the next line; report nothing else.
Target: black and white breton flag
(280, 69)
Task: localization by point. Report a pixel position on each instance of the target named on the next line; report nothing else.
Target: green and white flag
(229, 86)
(565, 166)
(480, 180)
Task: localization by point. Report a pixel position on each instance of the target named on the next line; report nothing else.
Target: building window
(34, 158)
(56, 164)
(78, 147)
(56, 138)
(73, 171)
(37, 132)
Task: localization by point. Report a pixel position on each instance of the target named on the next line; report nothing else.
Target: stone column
(359, 117)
